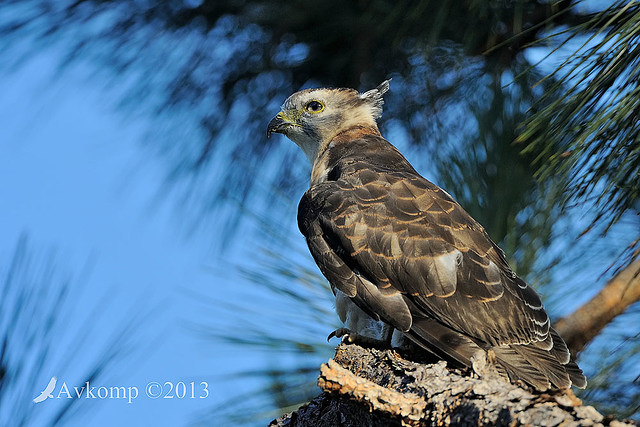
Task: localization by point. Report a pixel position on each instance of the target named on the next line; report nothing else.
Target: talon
(340, 333)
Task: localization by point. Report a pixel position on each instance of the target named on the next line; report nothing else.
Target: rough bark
(586, 322)
(371, 387)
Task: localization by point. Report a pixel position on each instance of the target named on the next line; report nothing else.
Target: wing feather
(403, 249)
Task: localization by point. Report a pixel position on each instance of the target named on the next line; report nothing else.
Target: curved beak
(277, 124)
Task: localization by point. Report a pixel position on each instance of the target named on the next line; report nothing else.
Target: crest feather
(374, 98)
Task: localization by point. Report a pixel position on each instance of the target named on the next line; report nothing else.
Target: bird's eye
(314, 106)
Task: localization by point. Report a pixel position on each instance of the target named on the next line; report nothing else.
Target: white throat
(309, 146)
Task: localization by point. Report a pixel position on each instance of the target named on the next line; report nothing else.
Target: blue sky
(75, 179)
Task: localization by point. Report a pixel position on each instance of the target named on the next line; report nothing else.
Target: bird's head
(313, 117)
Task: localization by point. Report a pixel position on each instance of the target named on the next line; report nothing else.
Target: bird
(47, 392)
(403, 258)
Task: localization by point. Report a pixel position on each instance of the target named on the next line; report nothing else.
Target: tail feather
(442, 341)
(532, 362)
(543, 365)
(575, 373)
(562, 353)
(519, 368)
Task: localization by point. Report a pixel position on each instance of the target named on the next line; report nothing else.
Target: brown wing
(409, 254)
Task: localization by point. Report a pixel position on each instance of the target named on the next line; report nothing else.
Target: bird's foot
(350, 337)
(343, 333)
(483, 363)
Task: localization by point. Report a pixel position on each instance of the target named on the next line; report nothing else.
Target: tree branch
(364, 386)
(586, 322)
